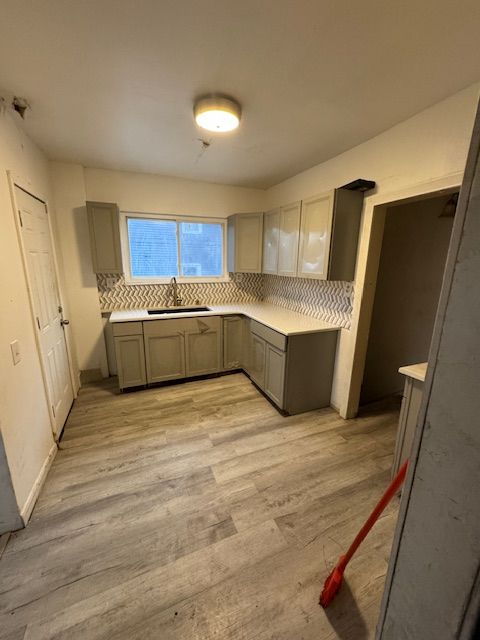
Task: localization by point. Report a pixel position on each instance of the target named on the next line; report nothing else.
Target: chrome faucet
(177, 301)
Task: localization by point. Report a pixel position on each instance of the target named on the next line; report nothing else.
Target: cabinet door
(257, 360)
(271, 233)
(412, 400)
(275, 374)
(247, 346)
(315, 237)
(165, 355)
(103, 223)
(232, 342)
(203, 346)
(289, 235)
(248, 242)
(130, 356)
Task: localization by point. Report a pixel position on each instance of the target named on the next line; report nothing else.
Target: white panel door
(315, 234)
(271, 232)
(46, 304)
(289, 233)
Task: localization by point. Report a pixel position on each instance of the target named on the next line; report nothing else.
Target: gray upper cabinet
(103, 223)
(288, 241)
(245, 241)
(315, 233)
(271, 237)
(329, 229)
(347, 214)
(281, 231)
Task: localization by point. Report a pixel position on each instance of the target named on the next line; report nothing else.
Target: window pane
(201, 249)
(153, 247)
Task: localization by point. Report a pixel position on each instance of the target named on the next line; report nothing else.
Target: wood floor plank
(278, 598)
(122, 608)
(197, 511)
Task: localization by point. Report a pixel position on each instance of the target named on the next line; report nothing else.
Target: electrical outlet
(16, 355)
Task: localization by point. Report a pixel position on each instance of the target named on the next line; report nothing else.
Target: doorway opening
(412, 261)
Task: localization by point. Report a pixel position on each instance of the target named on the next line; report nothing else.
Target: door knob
(63, 322)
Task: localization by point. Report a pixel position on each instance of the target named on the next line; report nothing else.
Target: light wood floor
(196, 511)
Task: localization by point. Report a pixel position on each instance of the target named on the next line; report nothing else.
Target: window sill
(179, 279)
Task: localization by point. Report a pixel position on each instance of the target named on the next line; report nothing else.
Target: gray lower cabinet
(247, 338)
(130, 354)
(257, 360)
(203, 345)
(274, 374)
(182, 348)
(232, 342)
(296, 373)
(164, 351)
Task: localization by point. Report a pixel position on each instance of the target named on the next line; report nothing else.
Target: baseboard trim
(90, 375)
(27, 508)
(335, 406)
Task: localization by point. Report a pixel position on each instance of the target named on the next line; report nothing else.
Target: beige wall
(81, 284)
(152, 193)
(412, 262)
(431, 147)
(24, 419)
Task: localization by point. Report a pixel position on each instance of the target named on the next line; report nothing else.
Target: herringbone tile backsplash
(245, 287)
(330, 301)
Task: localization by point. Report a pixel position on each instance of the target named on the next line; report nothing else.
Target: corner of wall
(86, 326)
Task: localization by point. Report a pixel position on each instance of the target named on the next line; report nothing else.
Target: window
(156, 248)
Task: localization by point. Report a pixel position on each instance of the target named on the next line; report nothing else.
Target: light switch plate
(16, 355)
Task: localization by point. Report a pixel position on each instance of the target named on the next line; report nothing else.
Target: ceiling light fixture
(217, 113)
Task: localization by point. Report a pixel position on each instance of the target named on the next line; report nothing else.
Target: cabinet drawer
(198, 324)
(127, 329)
(273, 337)
(201, 324)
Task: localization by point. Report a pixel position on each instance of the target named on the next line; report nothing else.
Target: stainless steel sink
(159, 312)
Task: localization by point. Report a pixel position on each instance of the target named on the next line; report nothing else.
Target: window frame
(125, 247)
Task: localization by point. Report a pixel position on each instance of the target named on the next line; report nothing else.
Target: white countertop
(277, 318)
(416, 371)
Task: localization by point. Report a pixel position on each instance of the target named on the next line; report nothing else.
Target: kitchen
(189, 316)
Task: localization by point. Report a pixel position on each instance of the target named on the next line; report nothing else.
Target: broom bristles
(331, 587)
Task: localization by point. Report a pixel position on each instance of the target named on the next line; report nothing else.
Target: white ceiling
(111, 82)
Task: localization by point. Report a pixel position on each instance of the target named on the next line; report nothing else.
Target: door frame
(368, 262)
(14, 180)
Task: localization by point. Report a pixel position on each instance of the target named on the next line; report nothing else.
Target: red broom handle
(382, 503)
